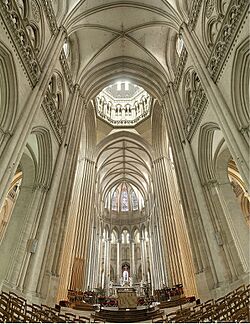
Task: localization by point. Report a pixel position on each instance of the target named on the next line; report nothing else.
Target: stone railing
(20, 38)
(66, 71)
(228, 31)
(50, 16)
(180, 68)
(194, 13)
(53, 116)
(195, 113)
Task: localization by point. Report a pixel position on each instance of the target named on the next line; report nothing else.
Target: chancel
(124, 160)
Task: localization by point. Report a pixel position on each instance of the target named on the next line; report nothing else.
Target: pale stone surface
(166, 199)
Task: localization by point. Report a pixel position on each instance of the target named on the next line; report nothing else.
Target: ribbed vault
(121, 39)
(124, 160)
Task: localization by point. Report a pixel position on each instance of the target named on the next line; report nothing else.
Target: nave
(124, 159)
(234, 307)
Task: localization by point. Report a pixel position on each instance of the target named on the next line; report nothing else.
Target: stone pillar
(151, 263)
(143, 259)
(72, 141)
(96, 257)
(59, 247)
(234, 139)
(181, 229)
(27, 246)
(164, 276)
(178, 141)
(188, 182)
(230, 234)
(16, 229)
(14, 148)
(107, 262)
(167, 251)
(101, 258)
(132, 260)
(91, 260)
(119, 274)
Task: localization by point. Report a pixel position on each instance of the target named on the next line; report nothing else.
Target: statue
(125, 274)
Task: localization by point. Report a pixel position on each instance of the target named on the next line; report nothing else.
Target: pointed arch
(240, 85)
(45, 156)
(8, 91)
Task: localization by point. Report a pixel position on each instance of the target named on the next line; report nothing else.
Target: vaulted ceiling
(112, 40)
(124, 161)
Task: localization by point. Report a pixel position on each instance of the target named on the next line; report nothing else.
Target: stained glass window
(115, 201)
(134, 200)
(124, 199)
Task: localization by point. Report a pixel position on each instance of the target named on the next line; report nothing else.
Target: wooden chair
(240, 289)
(35, 306)
(221, 312)
(16, 310)
(84, 318)
(220, 301)
(71, 317)
(241, 315)
(63, 318)
(4, 310)
(209, 302)
(159, 320)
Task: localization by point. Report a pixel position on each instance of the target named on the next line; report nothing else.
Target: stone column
(14, 148)
(163, 233)
(22, 253)
(230, 234)
(82, 225)
(132, 259)
(143, 259)
(151, 263)
(72, 141)
(97, 257)
(234, 139)
(100, 263)
(16, 229)
(107, 263)
(189, 183)
(119, 260)
(59, 246)
(178, 141)
(91, 262)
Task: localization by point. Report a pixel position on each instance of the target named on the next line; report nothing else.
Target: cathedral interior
(124, 147)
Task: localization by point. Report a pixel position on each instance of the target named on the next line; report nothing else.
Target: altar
(126, 298)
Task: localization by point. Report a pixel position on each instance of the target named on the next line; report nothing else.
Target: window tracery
(179, 45)
(115, 200)
(134, 200)
(124, 199)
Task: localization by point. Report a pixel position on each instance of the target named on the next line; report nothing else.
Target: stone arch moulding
(233, 212)
(206, 166)
(45, 156)
(240, 84)
(8, 91)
